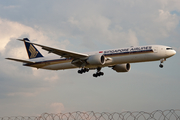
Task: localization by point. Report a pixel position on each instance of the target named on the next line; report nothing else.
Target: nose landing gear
(161, 65)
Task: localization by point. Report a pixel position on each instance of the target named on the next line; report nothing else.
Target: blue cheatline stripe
(129, 53)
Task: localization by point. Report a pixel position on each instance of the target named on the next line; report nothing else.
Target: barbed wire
(126, 115)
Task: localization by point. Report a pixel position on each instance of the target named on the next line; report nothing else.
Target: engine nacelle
(97, 59)
(122, 67)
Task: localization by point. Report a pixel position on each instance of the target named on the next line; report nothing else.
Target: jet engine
(97, 59)
(122, 67)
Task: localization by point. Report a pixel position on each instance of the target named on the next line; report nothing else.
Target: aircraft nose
(173, 52)
(170, 53)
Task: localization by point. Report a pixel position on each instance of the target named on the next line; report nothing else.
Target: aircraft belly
(59, 66)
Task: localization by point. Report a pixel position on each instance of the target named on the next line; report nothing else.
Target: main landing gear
(98, 73)
(161, 65)
(83, 70)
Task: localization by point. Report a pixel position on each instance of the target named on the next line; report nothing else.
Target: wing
(18, 60)
(62, 53)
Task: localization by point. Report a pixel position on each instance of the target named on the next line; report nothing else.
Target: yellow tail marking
(33, 51)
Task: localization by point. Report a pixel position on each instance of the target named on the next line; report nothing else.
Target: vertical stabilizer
(31, 49)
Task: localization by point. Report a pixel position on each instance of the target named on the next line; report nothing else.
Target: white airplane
(117, 59)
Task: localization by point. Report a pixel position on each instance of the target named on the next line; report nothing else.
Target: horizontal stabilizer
(18, 60)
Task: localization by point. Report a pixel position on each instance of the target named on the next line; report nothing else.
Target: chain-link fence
(127, 115)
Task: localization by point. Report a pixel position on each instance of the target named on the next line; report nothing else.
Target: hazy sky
(83, 26)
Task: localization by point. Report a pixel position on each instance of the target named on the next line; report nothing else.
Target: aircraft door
(155, 49)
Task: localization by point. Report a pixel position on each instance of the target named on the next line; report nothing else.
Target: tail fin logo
(33, 51)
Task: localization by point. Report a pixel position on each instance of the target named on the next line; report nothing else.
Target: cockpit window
(168, 48)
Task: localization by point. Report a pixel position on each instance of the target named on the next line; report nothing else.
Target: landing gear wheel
(98, 74)
(87, 70)
(83, 70)
(94, 75)
(79, 71)
(161, 66)
(162, 60)
(101, 73)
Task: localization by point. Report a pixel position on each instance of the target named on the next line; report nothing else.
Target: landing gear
(83, 70)
(98, 73)
(161, 65)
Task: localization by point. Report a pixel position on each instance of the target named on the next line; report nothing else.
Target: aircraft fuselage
(113, 57)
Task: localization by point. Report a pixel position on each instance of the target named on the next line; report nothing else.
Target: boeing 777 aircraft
(117, 59)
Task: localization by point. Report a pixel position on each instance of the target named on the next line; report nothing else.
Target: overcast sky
(84, 26)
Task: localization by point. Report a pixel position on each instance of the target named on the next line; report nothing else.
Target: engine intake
(97, 59)
(122, 67)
